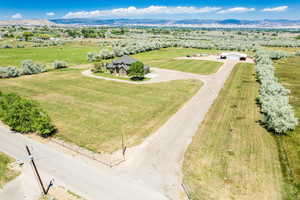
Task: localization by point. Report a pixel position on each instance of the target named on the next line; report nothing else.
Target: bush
(20, 46)
(273, 98)
(7, 46)
(9, 72)
(136, 70)
(24, 115)
(99, 67)
(59, 64)
(297, 53)
(28, 68)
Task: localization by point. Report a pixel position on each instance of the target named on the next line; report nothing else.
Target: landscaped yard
(6, 174)
(232, 156)
(164, 58)
(288, 72)
(73, 54)
(94, 113)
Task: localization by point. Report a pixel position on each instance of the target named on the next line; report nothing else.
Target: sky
(150, 9)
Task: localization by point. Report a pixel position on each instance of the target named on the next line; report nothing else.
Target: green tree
(136, 71)
(44, 36)
(27, 35)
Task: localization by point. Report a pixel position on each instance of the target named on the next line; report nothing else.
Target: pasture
(288, 72)
(94, 113)
(73, 54)
(232, 156)
(164, 58)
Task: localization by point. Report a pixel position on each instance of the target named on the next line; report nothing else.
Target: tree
(44, 36)
(136, 71)
(27, 35)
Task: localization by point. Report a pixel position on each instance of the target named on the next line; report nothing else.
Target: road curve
(153, 168)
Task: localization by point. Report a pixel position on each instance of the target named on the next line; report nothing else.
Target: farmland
(73, 54)
(288, 72)
(232, 156)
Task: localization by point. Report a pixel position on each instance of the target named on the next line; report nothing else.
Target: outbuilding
(233, 56)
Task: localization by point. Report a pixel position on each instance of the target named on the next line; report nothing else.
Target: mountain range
(210, 23)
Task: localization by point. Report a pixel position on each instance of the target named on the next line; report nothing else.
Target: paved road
(153, 169)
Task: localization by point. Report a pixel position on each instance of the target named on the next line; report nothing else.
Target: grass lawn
(6, 174)
(288, 72)
(164, 58)
(232, 156)
(93, 113)
(73, 54)
(287, 49)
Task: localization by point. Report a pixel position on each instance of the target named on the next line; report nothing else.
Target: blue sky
(165, 9)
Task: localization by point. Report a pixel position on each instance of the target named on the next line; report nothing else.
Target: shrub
(7, 46)
(136, 70)
(28, 68)
(9, 72)
(24, 115)
(297, 53)
(59, 64)
(278, 115)
(99, 67)
(20, 46)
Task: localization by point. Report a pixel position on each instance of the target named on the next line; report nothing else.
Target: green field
(288, 72)
(232, 156)
(164, 58)
(94, 113)
(73, 54)
(6, 174)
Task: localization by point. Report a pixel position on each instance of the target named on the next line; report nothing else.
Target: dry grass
(93, 113)
(6, 173)
(232, 156)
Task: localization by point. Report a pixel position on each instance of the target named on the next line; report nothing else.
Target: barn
(233, 56)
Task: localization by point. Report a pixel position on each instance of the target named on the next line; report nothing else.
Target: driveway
(152, 170)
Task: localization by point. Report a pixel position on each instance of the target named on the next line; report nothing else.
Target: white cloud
(118, 12)
(50, 14)
(236, 10)
(17, 16)
(276, 9)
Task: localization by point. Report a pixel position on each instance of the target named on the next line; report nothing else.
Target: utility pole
(36, 171)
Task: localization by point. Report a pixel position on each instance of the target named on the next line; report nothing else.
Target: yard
(73, 54)
(94, 113)
(232, 156)
(6, 174)
(288, 72)
(164, 58)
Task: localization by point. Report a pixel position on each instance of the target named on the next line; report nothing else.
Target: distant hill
(209, 23)
(34, 22)
(194, 22)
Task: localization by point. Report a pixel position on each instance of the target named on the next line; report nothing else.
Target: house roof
(234, 53)
(127, 60)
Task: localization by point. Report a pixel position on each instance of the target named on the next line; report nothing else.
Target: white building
(233, 56)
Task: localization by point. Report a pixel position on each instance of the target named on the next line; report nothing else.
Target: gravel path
(152, 170)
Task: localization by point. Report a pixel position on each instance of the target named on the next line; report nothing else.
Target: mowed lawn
(94, 113)
(46, 55)
(288, 72)
(6, 174)
(232, 156)
(165, 58)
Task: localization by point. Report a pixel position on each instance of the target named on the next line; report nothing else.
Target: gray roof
(127, 60)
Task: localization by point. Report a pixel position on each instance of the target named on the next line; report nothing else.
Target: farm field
(73, 54)
(6, 174)
(288, 72)
(232, 156)
(94, 113)
(164, 58)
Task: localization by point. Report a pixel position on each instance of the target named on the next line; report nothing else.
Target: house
(233, 56)
(121, 66)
